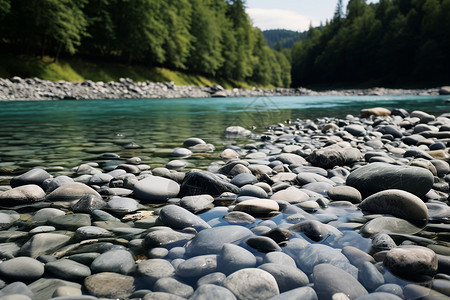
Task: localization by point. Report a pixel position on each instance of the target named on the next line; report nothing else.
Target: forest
(207, 37)
(388, 43)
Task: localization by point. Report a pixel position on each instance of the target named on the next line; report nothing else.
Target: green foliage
(214, 38)
(393, 42)
(282, 37)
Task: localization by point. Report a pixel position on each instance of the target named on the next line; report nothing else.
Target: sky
(294, 15)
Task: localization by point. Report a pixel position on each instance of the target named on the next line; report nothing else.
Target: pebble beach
(351, 208)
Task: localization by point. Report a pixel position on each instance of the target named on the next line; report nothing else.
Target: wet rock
(398, 203)
(252, 284)
(330, 280)
(21, 195)
(35, 176)
(154, 189)
(377, 177)
(263, 244)
(71, 192)
(287, 277)
(408, 261)
(173, 286)
(211, 291)
(239, 218)
(389, 224)
(313, 229)
(198, 203)
(70, 221)
(211, 241)
(197, 266)
(291, 195)
(344, 193)
(22, 269)
(166, 237)
(68, 269)
(304, 293)
(178, 218)
(370, 277)
(257, 206)
(154, 269)
(332, 156)
(88, 204)
(44, 243)
(115, 261)
(201, 182)
(233, 258)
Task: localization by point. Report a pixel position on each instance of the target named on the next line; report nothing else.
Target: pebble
(154, 189)
(22, 269)
(153, 269)
(110, 285)
(252, 284)
(115, 261)
(287, 277)
(409, 261)
(68, 269)
(21, 195)
(173, 286)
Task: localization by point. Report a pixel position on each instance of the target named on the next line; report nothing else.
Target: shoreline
(16, 89)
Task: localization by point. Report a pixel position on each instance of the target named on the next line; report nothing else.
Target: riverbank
(17, 88)
(355, 206)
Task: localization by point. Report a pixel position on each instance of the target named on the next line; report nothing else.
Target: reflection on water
(66, 133)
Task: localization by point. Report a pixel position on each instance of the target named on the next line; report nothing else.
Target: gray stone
(252, 284)
(16, 289)
(154, 269)
(329, 280)
(193, 141)
(243, 179)
(24, 194)
(181, 152)
(22, 269)
(257, 206)
(70, 221)
(201, 182)
(116, 261)
(178, 218)
(332, 156)
(370, 277)
(377, 177)
(211, 291)
(92, 232)
(379, 296)
(154, 189)
(35, 176)
(315, 254)
(279, 258)
(313, 229)
(68, 269)
(304, 293)
(215, 278)
(287, 277)
(305, 178)
(122, 205)
(197, 266)
(110, 285)
(291, 159)
(233, 258)
(197, 203)
(51, 184)
(162, 296)
(382, 241)
(71, 192)
(398, 203)
(253, 191)
(239, 218)
(344, 193)
(44, 243)
(291, 195)
(88, 203)
(408, 261)
(356, 256)
(69, 291)
(263, 244)
(391, 288)
(236, 131)
(173, 286)
(389, 224)
(166, 237)
(211, 241)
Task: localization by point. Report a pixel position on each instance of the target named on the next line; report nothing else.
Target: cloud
(279, 19)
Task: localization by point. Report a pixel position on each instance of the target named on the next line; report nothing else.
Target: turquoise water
(63, 134)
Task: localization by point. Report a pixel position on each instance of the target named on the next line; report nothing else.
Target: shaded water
(66, 133)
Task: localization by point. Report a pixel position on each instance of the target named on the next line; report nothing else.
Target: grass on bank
(77, 69)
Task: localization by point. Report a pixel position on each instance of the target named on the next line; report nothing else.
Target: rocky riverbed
(353, 208)
(17, 88)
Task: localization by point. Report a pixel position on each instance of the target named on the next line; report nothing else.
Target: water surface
(64, 134)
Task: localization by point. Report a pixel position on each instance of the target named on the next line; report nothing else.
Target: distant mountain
(286, 38)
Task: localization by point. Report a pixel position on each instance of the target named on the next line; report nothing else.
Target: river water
(63, 134)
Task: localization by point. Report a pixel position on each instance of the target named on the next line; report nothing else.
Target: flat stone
(330, 280)
(44, 243)
(178, 218)
(88, 203)
(291, 159)
(304, 293)
(377, 177)
(211, 241)
(110, 285)
(263, 244)
(116, 261)
(16, 290)
(239, 218)
(154, 189)
(375, 111)
(236, 132)
(313, 229)
(243, 179)
(291, 195)
(257, 206)
(314, 254)
(71, 191)
(181, 152)
(24, 194)
(280, 258)
(92, 232)
(22, 269)
(162, 296)
(332, 156)
(68, 269)
(70, 221)
(122, 205)
(193, 141)
(252, 284)
(407, 261)
(44, 288)
(399, 203)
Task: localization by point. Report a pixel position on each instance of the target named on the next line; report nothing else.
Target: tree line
(209, 37)
(392, 42)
